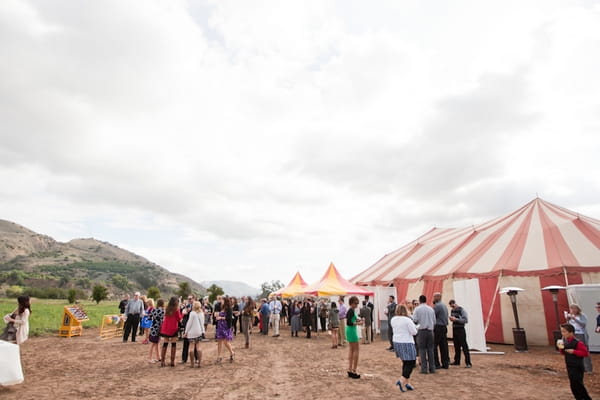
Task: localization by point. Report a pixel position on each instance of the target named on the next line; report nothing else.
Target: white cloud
(223, 138)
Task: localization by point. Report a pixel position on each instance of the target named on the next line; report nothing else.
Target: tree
(184, 290)
(71, 296)
(269, 287)
(120, 281)
(153, 292)
(214, 291)
(99, 293)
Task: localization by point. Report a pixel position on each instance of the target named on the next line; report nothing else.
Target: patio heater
(518, 332)
(554, 291)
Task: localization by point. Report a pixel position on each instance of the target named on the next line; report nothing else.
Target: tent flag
(294, 288)
(332, 284)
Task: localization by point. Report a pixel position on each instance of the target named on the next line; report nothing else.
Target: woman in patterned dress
(224, 325)
(404, 344)
(156, 315)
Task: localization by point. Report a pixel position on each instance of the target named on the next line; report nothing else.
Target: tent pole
(566, 276)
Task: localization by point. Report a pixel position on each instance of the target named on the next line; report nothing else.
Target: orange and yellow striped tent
(333, 284)
(294, 288)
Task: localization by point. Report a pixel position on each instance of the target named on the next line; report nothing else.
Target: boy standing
(575, 351)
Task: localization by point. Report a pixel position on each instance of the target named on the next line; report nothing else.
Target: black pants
(308, 331)
(265, 325)
(425, 344)
(459, 336)
(390, 335)
(576, 380)
(440, 341)
(131, 326)
(407, 368)
(323, 321)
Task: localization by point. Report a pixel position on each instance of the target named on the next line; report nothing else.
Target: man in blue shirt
(264, 316)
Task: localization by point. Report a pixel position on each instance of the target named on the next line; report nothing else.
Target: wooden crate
(111, 327)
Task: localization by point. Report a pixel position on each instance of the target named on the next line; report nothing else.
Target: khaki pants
(342, 332)
(367, 334)
(275, 321)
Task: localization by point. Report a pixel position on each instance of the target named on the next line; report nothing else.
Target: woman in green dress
(352, 322)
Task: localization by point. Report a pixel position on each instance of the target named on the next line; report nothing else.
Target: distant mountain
(28, 259)
(233, 288)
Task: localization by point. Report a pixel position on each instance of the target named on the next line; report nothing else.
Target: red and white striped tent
(538, 245)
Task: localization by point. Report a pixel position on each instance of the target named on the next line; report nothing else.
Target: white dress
(21, 322)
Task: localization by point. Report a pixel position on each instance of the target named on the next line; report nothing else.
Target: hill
(32, 260)
(234, 288)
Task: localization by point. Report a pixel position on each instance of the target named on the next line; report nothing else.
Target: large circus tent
(538, 245)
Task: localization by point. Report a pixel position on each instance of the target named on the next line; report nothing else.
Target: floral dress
(223, 330)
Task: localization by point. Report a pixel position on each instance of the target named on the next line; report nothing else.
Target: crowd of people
(418, 332)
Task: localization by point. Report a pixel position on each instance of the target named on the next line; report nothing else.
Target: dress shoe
(399, 384)
(454, 363)
(468, 366)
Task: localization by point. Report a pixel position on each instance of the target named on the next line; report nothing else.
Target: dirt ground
(283, 367)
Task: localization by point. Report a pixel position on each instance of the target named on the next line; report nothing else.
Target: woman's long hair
(172, 306)
(226, 304)
(249, 307)
(24, 303)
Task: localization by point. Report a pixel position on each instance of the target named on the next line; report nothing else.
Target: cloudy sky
(246, 140)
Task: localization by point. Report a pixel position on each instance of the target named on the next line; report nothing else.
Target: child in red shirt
(575, 351)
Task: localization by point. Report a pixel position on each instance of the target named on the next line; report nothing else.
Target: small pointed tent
(333, 284)
(294, 288)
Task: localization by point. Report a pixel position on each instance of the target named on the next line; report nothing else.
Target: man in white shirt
(275, 309)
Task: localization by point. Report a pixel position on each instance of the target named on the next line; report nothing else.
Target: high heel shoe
(409, 387)
(399, 384)
(219, 360)
(231, 357)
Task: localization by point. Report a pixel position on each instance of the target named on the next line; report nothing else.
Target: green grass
(46, 315)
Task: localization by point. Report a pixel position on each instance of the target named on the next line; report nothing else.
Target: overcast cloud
(248, 140)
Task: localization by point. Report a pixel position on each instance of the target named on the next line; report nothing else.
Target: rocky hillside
(28, 259)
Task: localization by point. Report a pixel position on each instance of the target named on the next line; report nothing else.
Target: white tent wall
(414, 291)
(586, 296)
(530, 309)
(467, 295)
(380, 302)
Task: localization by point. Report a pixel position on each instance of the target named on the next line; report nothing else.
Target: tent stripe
(514, 251)
(557, 249)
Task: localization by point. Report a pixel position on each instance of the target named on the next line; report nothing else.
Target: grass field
(46, 315)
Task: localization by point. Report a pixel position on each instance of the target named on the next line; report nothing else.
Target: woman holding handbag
(20, 320)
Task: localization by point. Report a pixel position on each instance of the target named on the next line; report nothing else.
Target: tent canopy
(538, 239)
(333, 284)
(296, 287)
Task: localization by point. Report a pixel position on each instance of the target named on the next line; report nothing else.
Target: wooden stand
(72, 318)
(112, 326)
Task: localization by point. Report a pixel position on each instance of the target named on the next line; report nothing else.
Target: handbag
(10, 330)
(146, 322)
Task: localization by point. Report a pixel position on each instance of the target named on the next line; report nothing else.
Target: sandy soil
(284, 367)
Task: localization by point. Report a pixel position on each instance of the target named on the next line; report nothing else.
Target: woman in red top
(169, 329)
